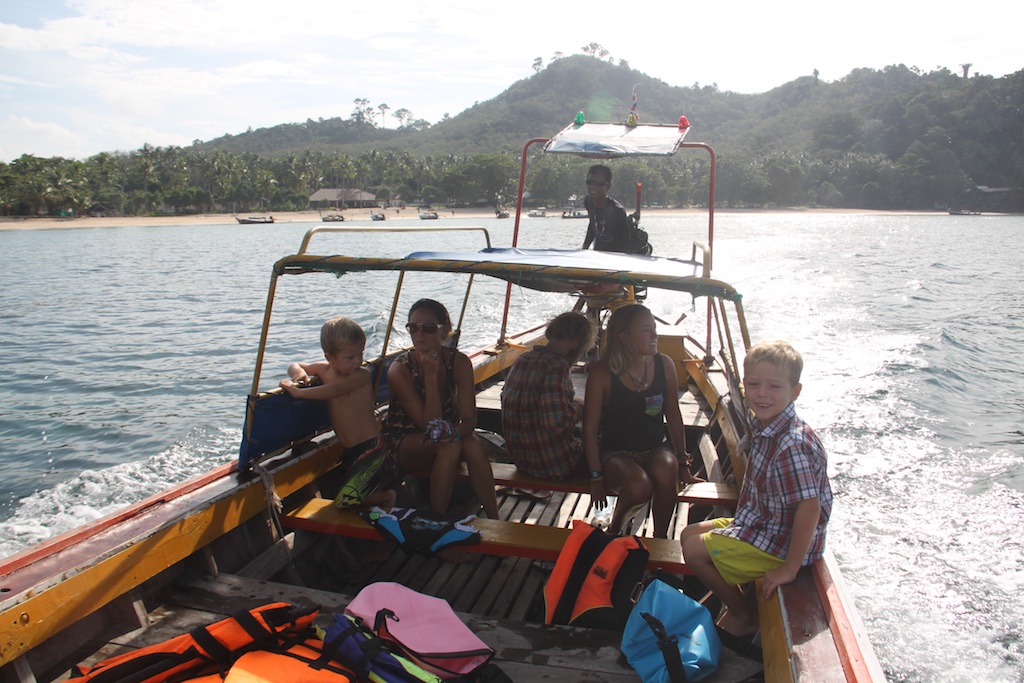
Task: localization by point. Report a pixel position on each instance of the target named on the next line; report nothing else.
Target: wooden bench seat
(507, 474)
(497, 537)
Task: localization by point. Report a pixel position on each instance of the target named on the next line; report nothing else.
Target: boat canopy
(550, 270)
(608, 140)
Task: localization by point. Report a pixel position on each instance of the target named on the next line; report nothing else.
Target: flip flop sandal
(535, 494)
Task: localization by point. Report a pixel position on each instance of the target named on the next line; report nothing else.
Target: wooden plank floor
(524, 651)
(487, 585)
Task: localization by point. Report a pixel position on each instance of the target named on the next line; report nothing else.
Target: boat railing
(273, 423)
(303, 248)
(705, 262)
(322, 229)
(588, 152)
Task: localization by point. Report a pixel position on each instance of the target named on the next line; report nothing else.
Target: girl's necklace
(642, 382)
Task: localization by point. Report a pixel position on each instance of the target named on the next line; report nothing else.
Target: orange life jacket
(302, 662)
(205, 649)
(594, 579)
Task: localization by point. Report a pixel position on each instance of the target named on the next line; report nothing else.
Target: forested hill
(867, 111)
(944, 132)
(897, 138)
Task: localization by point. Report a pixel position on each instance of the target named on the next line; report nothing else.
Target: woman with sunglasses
(631, 402)
(609, 226)
(433, 382)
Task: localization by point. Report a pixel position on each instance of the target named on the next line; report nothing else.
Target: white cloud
(45, 136)
(162, 73)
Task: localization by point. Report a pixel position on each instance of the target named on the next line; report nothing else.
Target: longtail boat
(221, 542)
(254, 220)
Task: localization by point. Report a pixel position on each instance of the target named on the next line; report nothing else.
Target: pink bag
(425, 627)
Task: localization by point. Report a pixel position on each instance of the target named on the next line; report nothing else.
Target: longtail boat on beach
(254, 220)
(221, 542)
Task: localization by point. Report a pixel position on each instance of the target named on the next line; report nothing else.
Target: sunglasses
(598, 183)
(429, 328)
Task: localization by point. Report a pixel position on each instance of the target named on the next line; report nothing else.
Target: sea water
(126, 355)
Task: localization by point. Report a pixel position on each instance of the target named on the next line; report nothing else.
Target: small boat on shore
(575, 213)
(539, 212)
(260, 529)
(378, 216)
(333, 218)
(501, 213)
(254, 220)
(964, 212)
(428, 215)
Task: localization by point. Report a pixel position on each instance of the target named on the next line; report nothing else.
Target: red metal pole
(515, 233)
(522, 184)
(711, 229)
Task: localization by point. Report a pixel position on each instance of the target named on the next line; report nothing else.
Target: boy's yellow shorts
(737, 561)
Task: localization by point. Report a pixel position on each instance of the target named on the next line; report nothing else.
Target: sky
(79, 77)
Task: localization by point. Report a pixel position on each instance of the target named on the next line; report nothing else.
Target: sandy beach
(359, 215)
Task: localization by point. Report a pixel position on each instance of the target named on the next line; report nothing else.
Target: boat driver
(609, 226)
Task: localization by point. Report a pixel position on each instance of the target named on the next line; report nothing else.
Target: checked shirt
(787, 464)
(538, 415)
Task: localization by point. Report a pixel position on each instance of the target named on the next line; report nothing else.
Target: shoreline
(360, 215)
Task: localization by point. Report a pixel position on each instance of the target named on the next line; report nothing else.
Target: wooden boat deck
(524, 651)
(499, 597)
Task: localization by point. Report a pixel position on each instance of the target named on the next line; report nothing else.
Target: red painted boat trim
(70, 538)
(855, 665)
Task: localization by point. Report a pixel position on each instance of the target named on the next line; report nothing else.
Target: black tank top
(635, 420)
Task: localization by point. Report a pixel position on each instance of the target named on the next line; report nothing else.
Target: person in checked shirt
(785, 500)
(540, 412)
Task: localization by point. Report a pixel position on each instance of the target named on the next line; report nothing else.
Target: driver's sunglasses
(429, 328)
(599, 183)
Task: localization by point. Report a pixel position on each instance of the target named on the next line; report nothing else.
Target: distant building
(342, 199)
(998, 199)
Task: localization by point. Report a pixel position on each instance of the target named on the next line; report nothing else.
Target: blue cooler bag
(670, 637)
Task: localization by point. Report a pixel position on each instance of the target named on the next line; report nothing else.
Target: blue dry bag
(670, 637)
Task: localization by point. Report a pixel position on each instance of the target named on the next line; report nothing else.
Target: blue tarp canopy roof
(607, 140)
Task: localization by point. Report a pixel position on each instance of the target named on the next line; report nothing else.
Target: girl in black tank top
(631, 406)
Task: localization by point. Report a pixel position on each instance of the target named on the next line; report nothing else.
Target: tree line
(181, 181)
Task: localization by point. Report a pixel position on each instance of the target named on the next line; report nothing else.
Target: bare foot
(745, 627)
(686, 476)
(530, 493)
(382, 499)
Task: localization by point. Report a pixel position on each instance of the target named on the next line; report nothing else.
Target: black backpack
(638, 242)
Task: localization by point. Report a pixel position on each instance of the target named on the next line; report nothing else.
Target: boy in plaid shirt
(785, 501)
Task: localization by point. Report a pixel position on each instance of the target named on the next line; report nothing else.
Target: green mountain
(883, 111)
(538, 106)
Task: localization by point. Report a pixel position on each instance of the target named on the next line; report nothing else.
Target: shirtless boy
(347, 388)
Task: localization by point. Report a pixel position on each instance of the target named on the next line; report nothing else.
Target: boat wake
(93, 494)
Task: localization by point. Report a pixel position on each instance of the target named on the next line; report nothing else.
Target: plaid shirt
(538, 415)
(787, 464)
